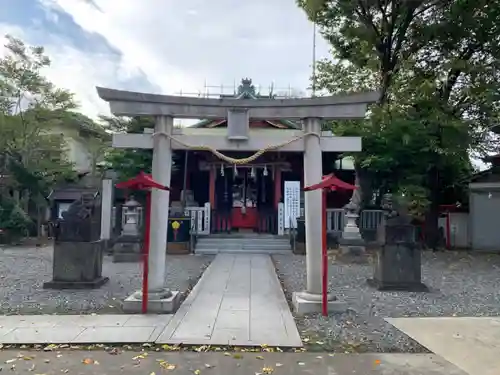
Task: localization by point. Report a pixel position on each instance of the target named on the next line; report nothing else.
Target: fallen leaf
(197, 372)
(260, 357)
(237, 356)
(88, 361)
(267, 370)
(377, 362)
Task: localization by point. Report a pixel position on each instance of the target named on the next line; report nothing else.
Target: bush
(14, 221)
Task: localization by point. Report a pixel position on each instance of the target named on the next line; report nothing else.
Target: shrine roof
(247, 91)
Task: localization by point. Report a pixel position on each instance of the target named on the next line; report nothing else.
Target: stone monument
(128, 245)
(397, 265)
(78, 250)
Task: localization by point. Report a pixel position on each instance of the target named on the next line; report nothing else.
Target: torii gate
(311, 141)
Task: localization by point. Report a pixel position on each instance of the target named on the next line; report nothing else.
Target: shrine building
(246, 197)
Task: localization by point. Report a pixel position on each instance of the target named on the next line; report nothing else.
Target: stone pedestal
(164, 302)
(127, 248)
(351, 243)
(305, 303)
(397, 264)
(77, 265)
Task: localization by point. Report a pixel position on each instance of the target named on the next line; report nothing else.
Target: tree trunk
(364, 191)
(432, 215)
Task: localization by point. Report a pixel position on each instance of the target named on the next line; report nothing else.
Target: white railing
(200, 218)
(335, 219)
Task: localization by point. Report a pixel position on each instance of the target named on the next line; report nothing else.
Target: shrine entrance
(244, 199)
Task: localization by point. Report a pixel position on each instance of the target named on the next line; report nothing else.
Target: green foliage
(30, 105)
(13, 220)
(127, 163)
(435, 64)
(33, 115)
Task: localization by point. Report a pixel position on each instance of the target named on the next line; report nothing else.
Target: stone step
(242, 236)
(237, 243)
(241, 251)
(246, 243)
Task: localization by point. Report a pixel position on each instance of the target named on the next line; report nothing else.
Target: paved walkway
(78, 329)
(472, 344)
(187, 363)
(238, 301)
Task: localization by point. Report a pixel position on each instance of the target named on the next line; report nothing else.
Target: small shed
(484, 208)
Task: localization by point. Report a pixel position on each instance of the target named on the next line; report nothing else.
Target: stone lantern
(131, 217)
(127, 247)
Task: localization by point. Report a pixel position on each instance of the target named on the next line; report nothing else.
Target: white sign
(292, 203)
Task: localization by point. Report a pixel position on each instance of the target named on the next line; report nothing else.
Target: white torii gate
(310, 140)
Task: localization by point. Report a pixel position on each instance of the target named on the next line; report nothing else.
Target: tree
(33, 159)
(129, 162)
(435, 63)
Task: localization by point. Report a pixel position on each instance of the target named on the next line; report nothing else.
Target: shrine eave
(128, 103)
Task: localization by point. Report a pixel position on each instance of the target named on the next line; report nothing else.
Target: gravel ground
(24, 270)
(461, 285)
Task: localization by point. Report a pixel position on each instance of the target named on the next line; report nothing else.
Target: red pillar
(277, 186)
(211, 187)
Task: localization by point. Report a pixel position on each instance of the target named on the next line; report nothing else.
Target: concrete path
(238, 301)
(78, 329)
(472, 344)
(187, 363)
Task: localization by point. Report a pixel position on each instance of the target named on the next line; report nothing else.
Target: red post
(145, 265)
(144, 181)
(324, 259)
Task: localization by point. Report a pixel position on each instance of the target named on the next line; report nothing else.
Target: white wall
(459, 229)
(77, 151)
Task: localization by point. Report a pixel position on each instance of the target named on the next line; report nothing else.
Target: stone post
(309, 301)
(161, 172)
(160, 298)
(313, 173)
(106, 208)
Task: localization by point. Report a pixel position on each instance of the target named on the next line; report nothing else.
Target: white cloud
(180, 44)
(73, 69)
(177, 46)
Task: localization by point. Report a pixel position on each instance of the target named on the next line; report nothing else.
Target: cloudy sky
(165, 46)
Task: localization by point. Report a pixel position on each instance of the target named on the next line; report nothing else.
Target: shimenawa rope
(234, 160)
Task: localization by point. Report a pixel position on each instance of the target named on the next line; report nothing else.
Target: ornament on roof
(246, 87)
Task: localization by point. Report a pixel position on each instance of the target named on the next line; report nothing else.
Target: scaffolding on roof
(270, 91)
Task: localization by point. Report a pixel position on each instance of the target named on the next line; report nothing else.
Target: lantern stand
(328, 183)
(146, 183)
